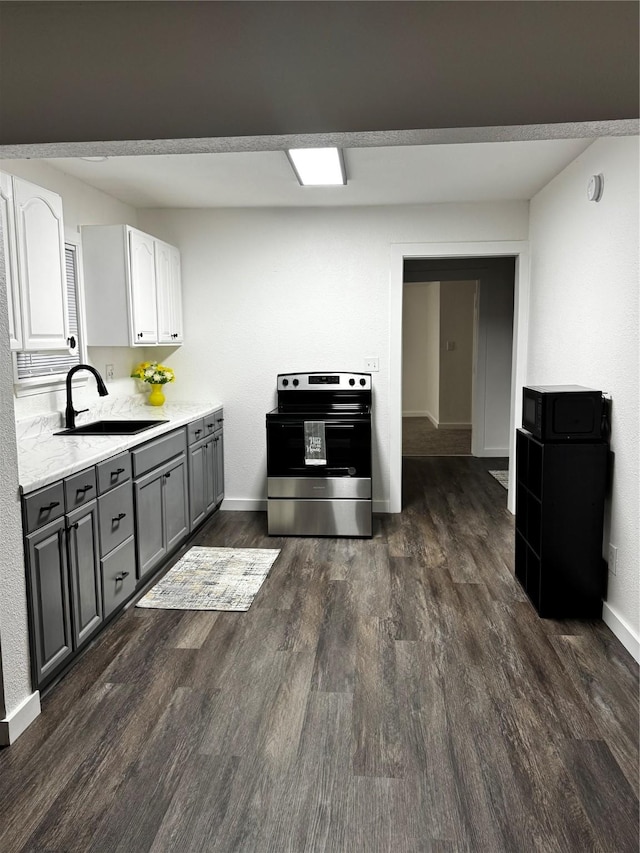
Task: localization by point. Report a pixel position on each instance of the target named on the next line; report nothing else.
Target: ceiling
(413, 174)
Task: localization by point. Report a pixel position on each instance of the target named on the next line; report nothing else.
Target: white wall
(14, 649)
(421, 350)
(492, 390)
(82, 205)
(268, 291)
(584, 327)
(456, 365)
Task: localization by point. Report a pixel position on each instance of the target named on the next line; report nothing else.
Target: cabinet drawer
(159, 451)
(115, 511)
(213, 422)
(43, 506)
(113, 472)
(119, 575)
(80, 489)
(195, 431)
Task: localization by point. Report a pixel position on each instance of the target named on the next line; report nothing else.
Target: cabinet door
(144, 323)
(176, 516)
(11, 271)
(218, 450)
(169, 294)
(177, 336)
(150, 539)
(84, 568)
(41, 267)
(197, 479)
(50, 614)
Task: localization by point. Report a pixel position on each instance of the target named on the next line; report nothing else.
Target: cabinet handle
(50, 506)
(220, 420)
(139, 335)
(197, 432)
(168, 474)
(121, 576)
(84, 489)
(72, 342)
(119, 517)
(117, 472)
(75, 525)
(210, 426)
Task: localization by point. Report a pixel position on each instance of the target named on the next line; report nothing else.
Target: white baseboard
(489, 452)
(453, 425)
(19, 719)
(622, 630)
(428, 415)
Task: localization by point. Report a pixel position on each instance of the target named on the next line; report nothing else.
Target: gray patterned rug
(212, 579)
(502, 477)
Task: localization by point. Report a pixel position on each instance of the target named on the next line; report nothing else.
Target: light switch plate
(372, 363)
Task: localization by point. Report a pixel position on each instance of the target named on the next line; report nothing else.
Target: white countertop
(44, 457)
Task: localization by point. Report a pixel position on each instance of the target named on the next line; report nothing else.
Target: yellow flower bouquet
(153, 373)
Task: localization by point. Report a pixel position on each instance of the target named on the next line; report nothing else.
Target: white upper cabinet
(143, 289)
(132, 288)
(169, 294)
(40, 265)
(9, 251)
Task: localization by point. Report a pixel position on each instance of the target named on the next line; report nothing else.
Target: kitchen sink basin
(112, 428)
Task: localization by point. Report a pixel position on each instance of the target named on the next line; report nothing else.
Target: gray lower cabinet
(91, 539)
(218, 467)
(50, 611)
(206, 469)
(84, 571)
(161, 500)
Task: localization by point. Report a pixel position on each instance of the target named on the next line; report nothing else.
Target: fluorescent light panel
(318, 167)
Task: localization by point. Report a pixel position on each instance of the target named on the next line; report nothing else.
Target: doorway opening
(490, 262)
(438, 334)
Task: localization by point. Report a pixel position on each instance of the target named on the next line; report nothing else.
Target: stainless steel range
(319, 456)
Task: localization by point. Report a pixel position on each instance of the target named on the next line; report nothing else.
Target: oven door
(347, 442)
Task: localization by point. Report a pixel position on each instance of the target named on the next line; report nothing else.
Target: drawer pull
(117, 472)
(197, 432)
(50, 506)
(168, 474)
(84, 489)
(119, 517)
(210, 426)
(75, 525)
(219, 420)
(121, 576)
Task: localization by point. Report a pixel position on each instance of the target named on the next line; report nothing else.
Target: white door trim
(499, 248)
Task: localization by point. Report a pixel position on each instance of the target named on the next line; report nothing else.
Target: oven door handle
(327, 424)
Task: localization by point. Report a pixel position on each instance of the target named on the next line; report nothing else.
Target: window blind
(51, 363)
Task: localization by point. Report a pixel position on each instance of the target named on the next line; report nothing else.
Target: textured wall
(14, 643)
(421, 349)
(456, 365)
(584, 321)
(269, 291)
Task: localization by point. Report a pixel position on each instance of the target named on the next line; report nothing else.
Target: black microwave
(562, 412)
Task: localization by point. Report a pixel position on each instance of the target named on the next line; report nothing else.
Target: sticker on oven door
(315, 448)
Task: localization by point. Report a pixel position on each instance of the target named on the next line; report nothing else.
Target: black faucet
(70, 413)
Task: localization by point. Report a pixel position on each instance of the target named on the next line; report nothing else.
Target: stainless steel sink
(112, 428)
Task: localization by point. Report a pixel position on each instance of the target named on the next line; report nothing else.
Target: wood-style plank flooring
(393, 694)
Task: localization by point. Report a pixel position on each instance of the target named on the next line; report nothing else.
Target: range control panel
(324, 381)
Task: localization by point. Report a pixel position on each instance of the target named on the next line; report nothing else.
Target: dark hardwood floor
(393, 694)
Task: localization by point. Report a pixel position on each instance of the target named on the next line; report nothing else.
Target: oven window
(348, 449)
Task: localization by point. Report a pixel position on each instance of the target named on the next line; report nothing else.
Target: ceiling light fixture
(318, 167)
